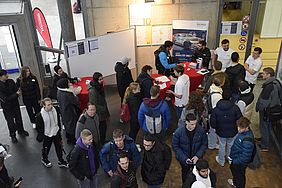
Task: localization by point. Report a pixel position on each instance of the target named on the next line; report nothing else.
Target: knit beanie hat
(243, 85)
(63, 83)
(56, 68)
(125, 60)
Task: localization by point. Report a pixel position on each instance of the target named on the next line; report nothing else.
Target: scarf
(90, 154)
(206, 181)
(50, 119)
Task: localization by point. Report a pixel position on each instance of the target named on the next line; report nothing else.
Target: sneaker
(14, 139)
(217, 160)
(63, 164)
(230, 182)
(214, 147)
(34, 125)
(46, 163)
(24, 133)
(263, 149)
(120, 120)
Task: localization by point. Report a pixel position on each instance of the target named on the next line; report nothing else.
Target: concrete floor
(26, 155)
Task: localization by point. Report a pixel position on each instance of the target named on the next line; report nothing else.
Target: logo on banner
(42, 27)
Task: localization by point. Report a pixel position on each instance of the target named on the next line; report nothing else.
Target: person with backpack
(163, 59)
(270, 99)
(84, 160)
(246, 98)
(133, 98)
(189, 143)
(181, 89)
(123, 76)
(241, 153)
(89, 120)
(236, 73)
(145, 80)
(223, 120)
(48, 125)
(154, 114)
(214, 95)
(110, 151)
(156, 161)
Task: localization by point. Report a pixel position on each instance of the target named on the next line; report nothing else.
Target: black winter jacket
(29, 88)
(146, 82)
(235, 74)
(191, 178)
(155, 164)
(79, 162)
(224, 117)
(123, 77)
(8, 95)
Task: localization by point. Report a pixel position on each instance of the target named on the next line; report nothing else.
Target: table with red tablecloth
(83, 95)
(195, 79)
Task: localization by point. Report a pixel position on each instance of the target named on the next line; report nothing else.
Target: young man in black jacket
(123, 76)
(125, 176)
(156, 161)
(9, 101)
(201, 172)
(84, 161)
(202, 53)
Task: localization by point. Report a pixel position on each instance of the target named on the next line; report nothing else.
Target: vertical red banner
(42, 27)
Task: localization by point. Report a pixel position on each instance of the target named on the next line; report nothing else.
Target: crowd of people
(216, 116)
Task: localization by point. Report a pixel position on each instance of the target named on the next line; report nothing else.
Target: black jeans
(134, 128)
(32, 108)
(185, 170)
(238, 172)
(47, 143)
(103, 130)
(14, 119)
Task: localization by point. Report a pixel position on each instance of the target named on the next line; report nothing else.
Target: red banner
(42, 27)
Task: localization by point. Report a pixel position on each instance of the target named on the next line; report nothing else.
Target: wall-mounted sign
(231, 27)
(244, 33)
(242, 39)
(242, 47)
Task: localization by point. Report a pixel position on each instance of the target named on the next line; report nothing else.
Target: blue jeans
(87, 183)
(212, 139)
(154, 186)
(224, 143)
(178, 111)
(265, 127)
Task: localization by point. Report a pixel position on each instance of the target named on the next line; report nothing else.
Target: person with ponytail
(97, 97)
(133, 98)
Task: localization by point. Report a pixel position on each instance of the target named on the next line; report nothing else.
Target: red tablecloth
(83, 95)
(195, 78)
(163, 91)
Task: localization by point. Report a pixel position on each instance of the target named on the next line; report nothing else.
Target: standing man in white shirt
(181, 91)
(223, 54)
(252, 66)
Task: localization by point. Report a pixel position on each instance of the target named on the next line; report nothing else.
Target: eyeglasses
(145, 145)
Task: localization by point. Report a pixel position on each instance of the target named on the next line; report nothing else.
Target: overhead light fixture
(149, 1)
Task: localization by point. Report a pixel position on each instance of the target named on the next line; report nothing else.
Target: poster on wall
(161, 33)
(231, 27)
(140, 14)
(143, 35)
(186, 35)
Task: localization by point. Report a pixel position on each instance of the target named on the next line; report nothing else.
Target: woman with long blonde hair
(133, 98)
(30, 91)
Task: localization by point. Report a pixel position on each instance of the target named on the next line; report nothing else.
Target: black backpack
(255, 161)
(158, 63)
